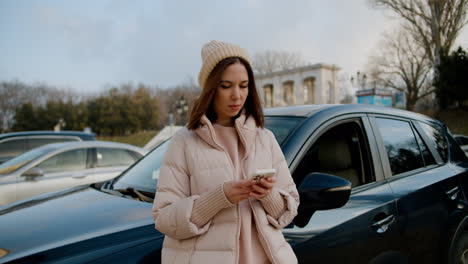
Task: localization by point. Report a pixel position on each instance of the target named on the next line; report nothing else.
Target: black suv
(14, 144)
(377, 185)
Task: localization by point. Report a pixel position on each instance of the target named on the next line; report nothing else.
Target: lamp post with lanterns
(359, 81)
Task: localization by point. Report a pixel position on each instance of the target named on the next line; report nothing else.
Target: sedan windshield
(21, 160)
(144, 175)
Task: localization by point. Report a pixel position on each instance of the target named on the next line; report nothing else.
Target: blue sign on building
(375, 96)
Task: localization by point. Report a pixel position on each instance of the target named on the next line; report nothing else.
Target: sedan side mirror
(34, 172)
(320, 191)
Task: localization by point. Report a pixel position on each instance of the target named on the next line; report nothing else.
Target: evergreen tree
(451, 86)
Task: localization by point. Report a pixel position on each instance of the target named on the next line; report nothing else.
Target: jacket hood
(66, 219)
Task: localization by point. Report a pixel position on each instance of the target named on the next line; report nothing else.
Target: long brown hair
(204, 104)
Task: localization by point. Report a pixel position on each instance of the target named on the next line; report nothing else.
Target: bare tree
(168, 98)
(15, 93)
(271, 61)
(402, 65)
(346, 90)
(10, 97)
(434, 24)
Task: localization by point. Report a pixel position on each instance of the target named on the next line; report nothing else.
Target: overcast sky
(87, 44)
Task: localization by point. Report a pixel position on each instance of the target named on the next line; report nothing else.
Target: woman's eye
(225, 86)
(243, 87)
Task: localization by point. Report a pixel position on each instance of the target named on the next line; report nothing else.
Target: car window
(427, 156)
(108, 157)
(36, 142)
(462, 140)
(18, 162)
(66, 161)
(281, 126)
(456, 153)
(401, 145)
(438, 140)
(12, 148)
(341, 151)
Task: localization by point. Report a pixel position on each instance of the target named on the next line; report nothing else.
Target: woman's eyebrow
(226, 81)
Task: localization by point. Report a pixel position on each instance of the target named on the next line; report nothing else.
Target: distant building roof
(374, 91)
(298, 69)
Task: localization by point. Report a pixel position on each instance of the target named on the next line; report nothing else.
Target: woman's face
(231, 93)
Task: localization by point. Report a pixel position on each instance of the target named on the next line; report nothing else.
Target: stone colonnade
(313, 84)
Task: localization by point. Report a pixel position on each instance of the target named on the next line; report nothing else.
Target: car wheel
(459, 254)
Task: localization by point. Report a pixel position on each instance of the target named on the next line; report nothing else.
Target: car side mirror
(34, 172)
(320, 191)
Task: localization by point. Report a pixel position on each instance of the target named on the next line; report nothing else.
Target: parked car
(407, 203)
(61, 165)
(17, 143)
(463, 142)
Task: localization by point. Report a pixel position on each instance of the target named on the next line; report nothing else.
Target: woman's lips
(234, 107)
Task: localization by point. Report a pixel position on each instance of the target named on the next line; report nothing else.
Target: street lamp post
(359, 81)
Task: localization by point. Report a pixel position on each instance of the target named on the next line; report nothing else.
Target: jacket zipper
(262, 236)
(237, 207)
(238, 234)
(242, 172)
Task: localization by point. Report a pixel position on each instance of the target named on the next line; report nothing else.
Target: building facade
(313, 84)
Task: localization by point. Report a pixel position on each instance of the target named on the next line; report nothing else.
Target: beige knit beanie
(215, 51)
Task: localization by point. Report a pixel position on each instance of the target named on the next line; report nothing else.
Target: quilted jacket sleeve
(285, 186)
(173, 203)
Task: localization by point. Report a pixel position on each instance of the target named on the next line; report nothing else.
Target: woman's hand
(237, 191)
(263, 188)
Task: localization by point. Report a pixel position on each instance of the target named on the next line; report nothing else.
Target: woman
(205, 204)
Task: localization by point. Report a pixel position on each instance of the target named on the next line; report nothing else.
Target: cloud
(159, 42)
(85, 38)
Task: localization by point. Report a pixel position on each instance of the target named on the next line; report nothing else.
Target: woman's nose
(235, 92)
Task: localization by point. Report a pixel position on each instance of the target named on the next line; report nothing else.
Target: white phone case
(263, 173)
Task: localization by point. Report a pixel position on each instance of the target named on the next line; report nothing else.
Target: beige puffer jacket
(194, 164)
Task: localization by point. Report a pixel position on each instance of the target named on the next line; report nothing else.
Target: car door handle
(381, 226)
(453, 193)
(79, 176)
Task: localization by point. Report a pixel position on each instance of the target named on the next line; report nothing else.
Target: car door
(363, 230)
(109, 162)
(61, 170)
(426, 187)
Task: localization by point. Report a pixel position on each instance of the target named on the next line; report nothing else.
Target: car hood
(37, 225)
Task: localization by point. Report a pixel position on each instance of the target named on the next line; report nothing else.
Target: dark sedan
(398, 195)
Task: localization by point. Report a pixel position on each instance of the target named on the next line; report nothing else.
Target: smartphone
(263, 173)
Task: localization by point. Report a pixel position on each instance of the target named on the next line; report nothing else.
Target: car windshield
(20, 161)
(282, 126)
(144, 175)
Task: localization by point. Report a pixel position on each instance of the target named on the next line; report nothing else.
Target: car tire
(459, 253)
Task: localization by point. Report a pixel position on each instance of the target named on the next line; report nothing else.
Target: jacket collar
(245, 127)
